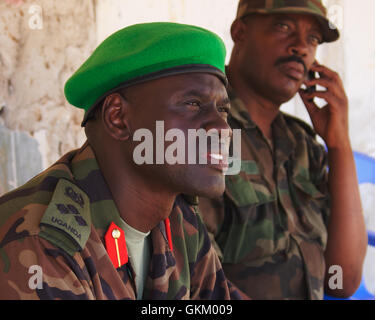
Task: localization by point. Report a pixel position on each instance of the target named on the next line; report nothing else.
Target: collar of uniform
(238, 110)
(284, 140)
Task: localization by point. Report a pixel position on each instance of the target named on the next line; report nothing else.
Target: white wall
(215, 15)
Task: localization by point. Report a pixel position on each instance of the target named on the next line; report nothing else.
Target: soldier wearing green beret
(96, 225)
(285, 220)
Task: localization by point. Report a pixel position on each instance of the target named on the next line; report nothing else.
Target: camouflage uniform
(271, 224)
(58, 220)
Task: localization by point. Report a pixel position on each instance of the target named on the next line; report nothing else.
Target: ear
(115, 113)
(238, 31)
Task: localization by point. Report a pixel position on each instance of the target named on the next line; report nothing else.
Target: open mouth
(222, 160)
(216, 161)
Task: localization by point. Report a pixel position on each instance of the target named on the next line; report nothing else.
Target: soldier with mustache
(286, 219)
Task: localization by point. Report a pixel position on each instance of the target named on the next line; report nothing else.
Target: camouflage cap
(313, 7)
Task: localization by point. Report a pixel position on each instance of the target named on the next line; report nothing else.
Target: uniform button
(116, 233)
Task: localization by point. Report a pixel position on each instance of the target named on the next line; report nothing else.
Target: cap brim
(185, 69)
(330, 32)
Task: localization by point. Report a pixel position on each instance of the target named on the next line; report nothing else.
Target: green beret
(144, 52)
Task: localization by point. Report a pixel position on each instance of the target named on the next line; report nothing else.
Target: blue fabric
(365, 168)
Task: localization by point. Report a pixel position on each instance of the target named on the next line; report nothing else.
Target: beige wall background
(42, 42)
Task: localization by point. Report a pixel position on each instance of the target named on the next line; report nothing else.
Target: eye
(282, 26)
(224, 109)
(315, 40)
(193, 105)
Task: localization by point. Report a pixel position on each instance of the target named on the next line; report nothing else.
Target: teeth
(217, 156)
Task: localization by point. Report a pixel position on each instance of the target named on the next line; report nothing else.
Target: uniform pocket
(240, 191)
(307, 187)
(248, 187)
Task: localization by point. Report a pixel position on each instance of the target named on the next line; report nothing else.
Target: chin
(208, 190)
(284, 92)
(284, 96)
(199, 181)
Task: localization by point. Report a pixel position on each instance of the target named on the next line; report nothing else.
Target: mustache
(291, 59)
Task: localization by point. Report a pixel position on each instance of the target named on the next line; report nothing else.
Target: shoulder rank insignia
(67, 220)
(116, 245)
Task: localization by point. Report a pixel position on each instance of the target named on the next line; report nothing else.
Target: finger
(307, 99)
(328, 79)
(319, 81)
(330, 98)
(328, 84)
(321, 68)
(326, 73)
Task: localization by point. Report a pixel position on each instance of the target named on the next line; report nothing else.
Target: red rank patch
(116, 245)
(168, 232)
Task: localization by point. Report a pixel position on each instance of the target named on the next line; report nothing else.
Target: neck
(141, 204)
(261, 109)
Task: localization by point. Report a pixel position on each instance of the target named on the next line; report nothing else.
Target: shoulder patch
(67, 221)
(301, 123)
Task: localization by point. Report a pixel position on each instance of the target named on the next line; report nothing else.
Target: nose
(218, 131)
(298, 46)
(216, 120)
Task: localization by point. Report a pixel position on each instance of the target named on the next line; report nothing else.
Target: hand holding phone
(329, 114)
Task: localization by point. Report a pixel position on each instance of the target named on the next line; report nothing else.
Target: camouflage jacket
(56, 222)
(271, 224)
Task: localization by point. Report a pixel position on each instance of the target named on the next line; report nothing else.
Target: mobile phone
(310, 76)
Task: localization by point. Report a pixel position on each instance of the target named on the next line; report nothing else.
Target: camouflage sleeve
(31, 269)
(208, 281)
